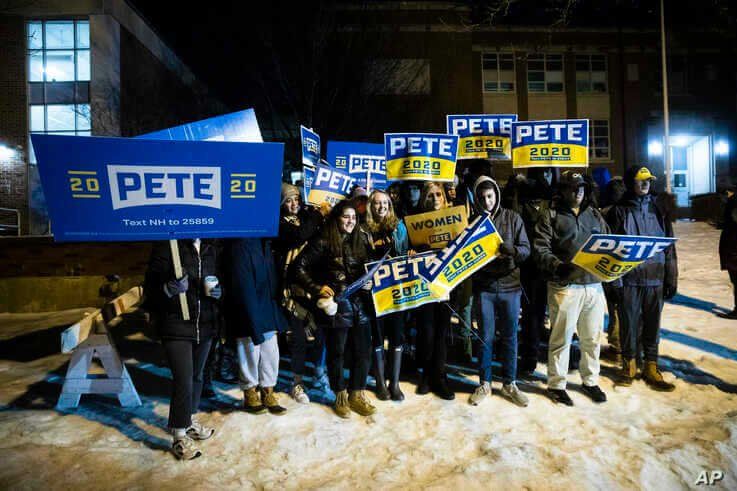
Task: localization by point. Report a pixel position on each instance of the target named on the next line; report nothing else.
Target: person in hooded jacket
(497, 292)
(329, 263)
(186, 342)
(255, 316)
(575, 297)
(297, 225)
(645, 287)
(728, 248)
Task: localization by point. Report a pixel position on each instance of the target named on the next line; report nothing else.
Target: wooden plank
(94, 385)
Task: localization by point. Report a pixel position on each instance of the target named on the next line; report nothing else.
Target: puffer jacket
(503, 274)
(317, 266)
(642, 216)
(204, 311)
(559, 234)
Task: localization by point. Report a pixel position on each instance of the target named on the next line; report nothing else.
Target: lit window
(498, 72)
(599, 139)
(591, 73)
(545, 73)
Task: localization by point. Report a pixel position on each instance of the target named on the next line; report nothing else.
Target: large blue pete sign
(240, 126)
(112, 189)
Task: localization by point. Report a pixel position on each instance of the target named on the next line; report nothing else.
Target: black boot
(440, 388)
(381, 393)
(394, 390)
(424, 386)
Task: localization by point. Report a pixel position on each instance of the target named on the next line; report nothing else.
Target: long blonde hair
(375, 224)
(426, 189)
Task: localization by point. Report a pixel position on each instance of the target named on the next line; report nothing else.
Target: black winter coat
(642, 216)
(253, 307)
(503, 274)
(204, 312)
(728, 237)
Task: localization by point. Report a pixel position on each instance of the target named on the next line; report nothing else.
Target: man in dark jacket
(575, 297)
(728, 248)
(496, 290)
(645, 287)
(254, 318)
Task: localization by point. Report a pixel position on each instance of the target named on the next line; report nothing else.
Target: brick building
(82, 67)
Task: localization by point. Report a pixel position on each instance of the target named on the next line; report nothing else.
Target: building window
(545, 73)
(591, 73)
(498, 72)
(58, 78)
(599, 139)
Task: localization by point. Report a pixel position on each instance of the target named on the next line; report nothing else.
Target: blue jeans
(506, 305)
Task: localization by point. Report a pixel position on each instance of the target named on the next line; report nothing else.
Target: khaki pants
(575, 308)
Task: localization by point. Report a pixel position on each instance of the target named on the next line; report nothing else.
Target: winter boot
(341, 406)
(360, 403)
(654, 379)
(423, 387)
(627, 375)
(394, 391)
(252, 401)
(381, 393)
(729, 315)
(440, 388)
(271, 401)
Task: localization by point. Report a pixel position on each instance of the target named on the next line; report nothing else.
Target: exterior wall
(105, 75)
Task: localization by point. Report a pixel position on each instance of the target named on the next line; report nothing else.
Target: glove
(216, 292)
(326, 291)
(506, 249)
(175, 287)
(564, 270)
(368, 285)
(669, 291)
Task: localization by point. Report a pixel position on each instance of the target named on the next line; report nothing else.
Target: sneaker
(298, 394)
(595, 393)
(271, 401)
(185, 449)
(360, 403)
(512, 392)
(341, 406)
(480, 394)
(199, 432)
(560, 396)
(252, 401)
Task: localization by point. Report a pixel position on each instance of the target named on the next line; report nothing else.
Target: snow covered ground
(638, 439)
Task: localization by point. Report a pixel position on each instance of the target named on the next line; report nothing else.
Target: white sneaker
(480, 394)
(298, 394)
(512, 392)
(199, 432)
(185, 449)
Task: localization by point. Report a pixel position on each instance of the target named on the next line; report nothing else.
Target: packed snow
(638, 439)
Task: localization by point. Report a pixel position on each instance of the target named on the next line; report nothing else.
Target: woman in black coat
(328, 264)
(186, 342)
(728, 249)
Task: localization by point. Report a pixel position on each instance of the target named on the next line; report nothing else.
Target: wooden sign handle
(179, 273)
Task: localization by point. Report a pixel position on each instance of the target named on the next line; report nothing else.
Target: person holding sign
(575, 297)
(497, 292)
(645, 287)
(328, 264)
(186, 342)
(388, 233)
(433, 320)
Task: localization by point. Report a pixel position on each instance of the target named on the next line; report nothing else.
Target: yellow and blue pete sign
(398, 285)
(555, 143)
(329, 186)
(465, 255)
(420, 156)
(609, 257)
(482, 135)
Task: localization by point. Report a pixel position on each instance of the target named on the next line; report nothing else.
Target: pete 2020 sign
(482, 135)
(398, 286)
(329, 186)
(420, 156)
(556, 143)
(436, 228)
(465, 255)
(364, 162)
(310, 146)
(113, 189)
(609, 257)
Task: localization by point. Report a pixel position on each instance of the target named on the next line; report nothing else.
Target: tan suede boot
(627, 375)
(341, 406)
(252, 401)
(360, 403)
(654, 379)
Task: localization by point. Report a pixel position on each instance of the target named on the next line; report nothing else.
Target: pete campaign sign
(240, 126)
(364, 162)
(329, 186)
(310, 146)
(436, 228)
(420, 156)
(556, 143)
(482, 135)
(609, 257)
(112, 189)
(398, 285)
(465, 255)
